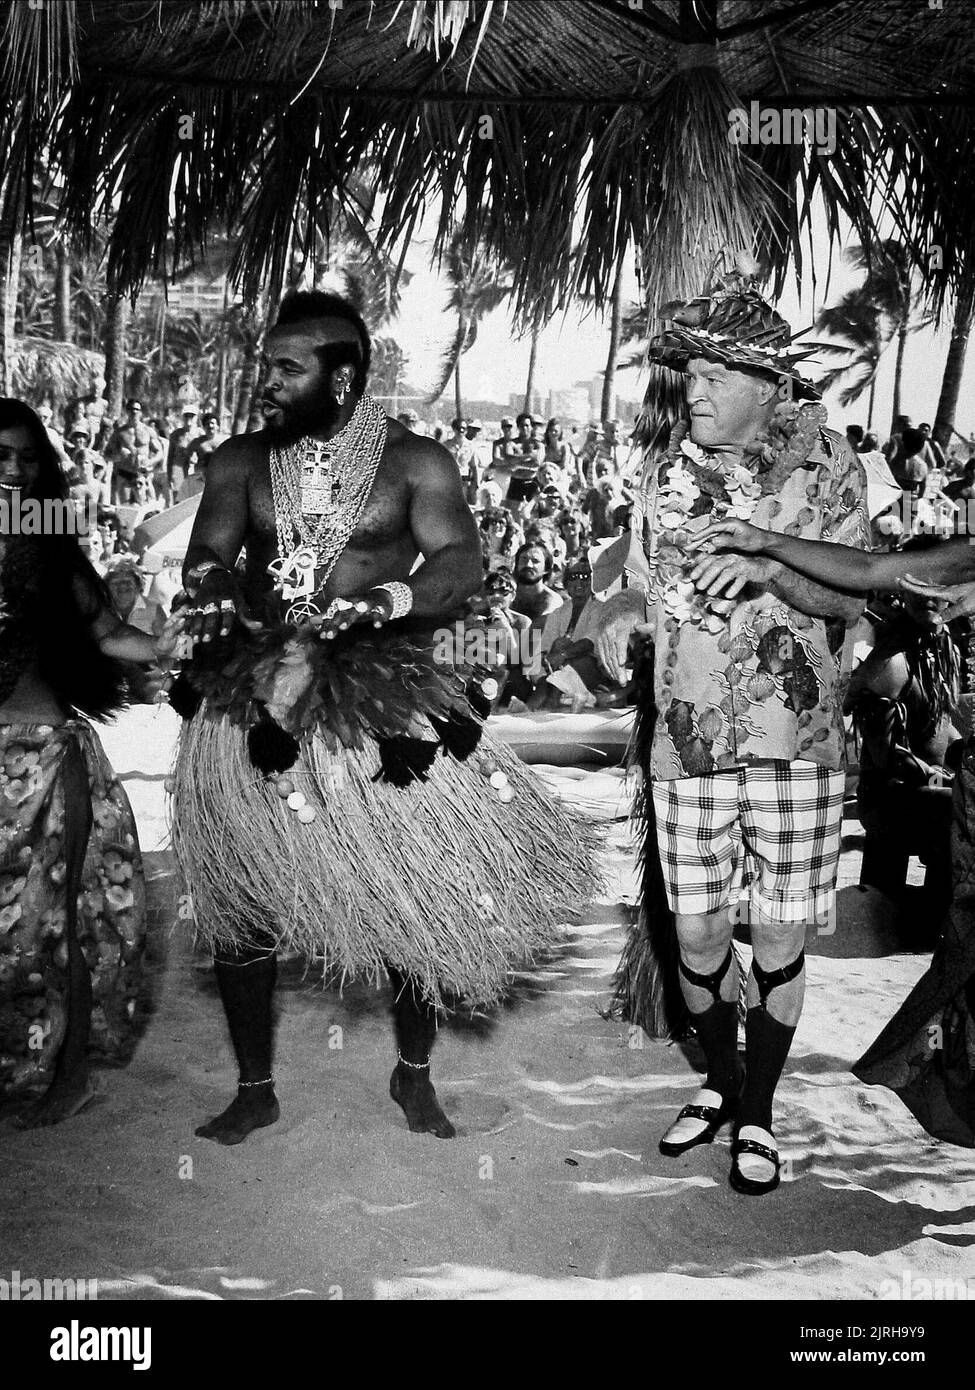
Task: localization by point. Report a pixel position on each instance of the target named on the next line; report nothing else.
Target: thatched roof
(44, 368)
(607, 125)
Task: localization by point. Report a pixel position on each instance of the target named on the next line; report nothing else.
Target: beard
(318, 416)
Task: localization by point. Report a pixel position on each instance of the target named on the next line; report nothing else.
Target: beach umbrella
(166, 535)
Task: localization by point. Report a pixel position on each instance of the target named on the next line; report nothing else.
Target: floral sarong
(34, 909)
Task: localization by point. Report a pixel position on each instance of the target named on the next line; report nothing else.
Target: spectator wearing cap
(136, 451)
(96, 473)
(178, 454)
(465, 457)
(479, 458)
(83, 487)
(548, 504)
(505, 446)
(125, 580)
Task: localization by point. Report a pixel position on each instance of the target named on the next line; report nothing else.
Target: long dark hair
(68, 594)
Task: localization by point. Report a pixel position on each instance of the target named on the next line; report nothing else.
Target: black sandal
(714, 1115)
(749, 1186)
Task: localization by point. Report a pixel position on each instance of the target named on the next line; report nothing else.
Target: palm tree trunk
(246, 390)
(222, 357)
(532, 366)
(615, 326)
(873, 392)
(458, 395)
(898, 369)
(116, 352)
(63, 322)
(944, 420)
(11, 248)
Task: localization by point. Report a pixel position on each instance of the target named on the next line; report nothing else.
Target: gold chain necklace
(320, 488)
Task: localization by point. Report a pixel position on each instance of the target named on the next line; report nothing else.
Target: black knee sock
(246, 988)
(717, 1029)
(767, 1044)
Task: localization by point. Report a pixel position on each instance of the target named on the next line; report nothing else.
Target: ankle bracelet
(417, 1066)
(268, 1081)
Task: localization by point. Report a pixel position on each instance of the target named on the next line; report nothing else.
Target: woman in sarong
(926, 1054)
(72, 897)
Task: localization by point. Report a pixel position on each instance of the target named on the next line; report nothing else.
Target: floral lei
(692, 486)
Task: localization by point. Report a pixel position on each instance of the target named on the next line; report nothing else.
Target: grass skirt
(110, 910)
(441, 879)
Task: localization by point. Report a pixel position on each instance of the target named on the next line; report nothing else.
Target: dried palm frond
(45, 368)
(554, 133)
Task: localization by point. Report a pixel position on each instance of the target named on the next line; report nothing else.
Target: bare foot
(418, 1100)
(62, 1100)
(254, 1108)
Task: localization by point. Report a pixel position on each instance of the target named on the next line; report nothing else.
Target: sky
(573, 347)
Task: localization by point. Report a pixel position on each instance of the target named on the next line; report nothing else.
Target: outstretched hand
(169, 639)
(731, 535)
(959, 597)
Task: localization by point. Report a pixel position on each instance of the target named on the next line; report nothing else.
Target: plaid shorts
(785, 816)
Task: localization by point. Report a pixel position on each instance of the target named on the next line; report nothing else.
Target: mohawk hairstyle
(305, 306)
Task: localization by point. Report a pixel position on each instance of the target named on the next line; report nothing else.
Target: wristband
(401, 596)
(194, 577)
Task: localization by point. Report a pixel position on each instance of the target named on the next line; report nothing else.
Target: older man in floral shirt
(748, 749)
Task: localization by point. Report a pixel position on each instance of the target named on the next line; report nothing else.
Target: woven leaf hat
(731, 323)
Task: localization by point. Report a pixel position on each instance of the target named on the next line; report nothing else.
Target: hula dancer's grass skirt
(446, 879)
(108, 917)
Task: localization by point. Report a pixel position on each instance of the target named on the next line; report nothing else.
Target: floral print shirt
(753, 680)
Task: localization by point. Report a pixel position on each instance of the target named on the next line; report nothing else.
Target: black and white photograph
(487, 667)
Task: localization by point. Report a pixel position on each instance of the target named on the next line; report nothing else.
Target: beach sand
(553, 1188)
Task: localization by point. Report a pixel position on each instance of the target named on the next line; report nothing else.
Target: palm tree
(871, 316)
(11, 248)
(856, 320)
(118, 313)
(477, 285)
(944, 420)
(615, 331)
(888, 285)
(536, 330)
